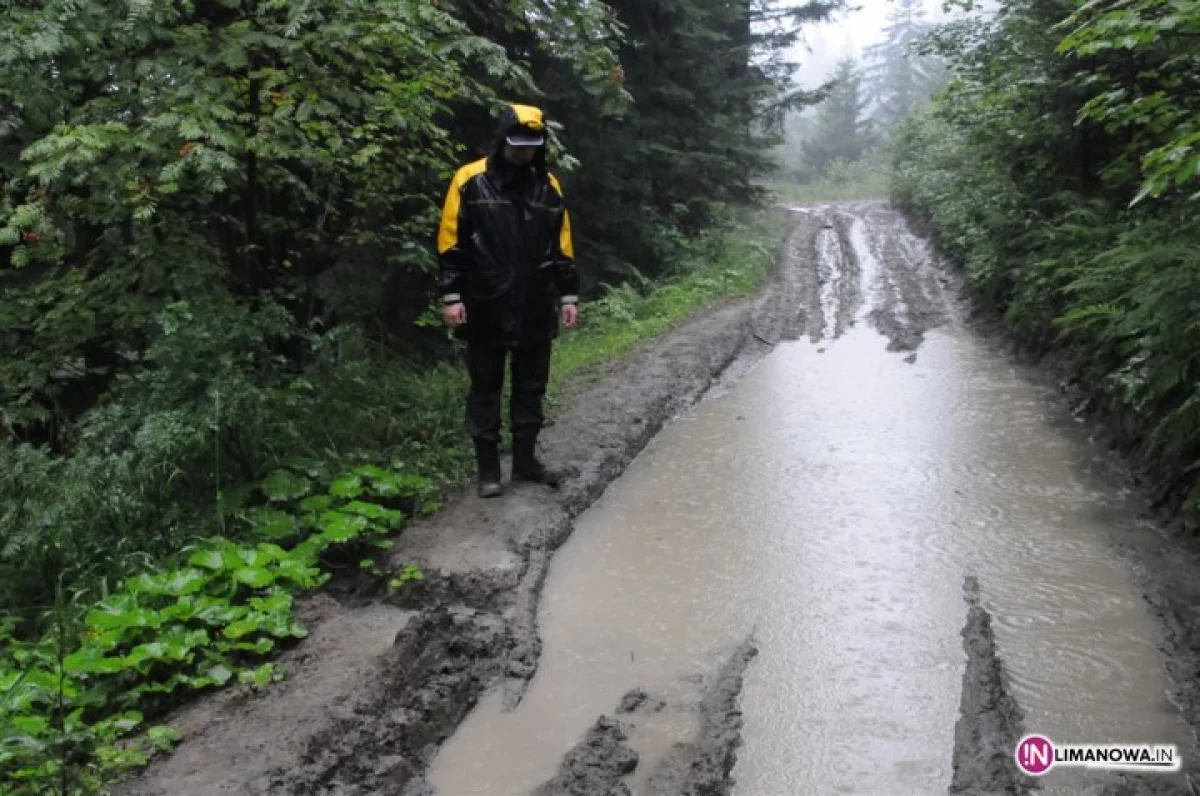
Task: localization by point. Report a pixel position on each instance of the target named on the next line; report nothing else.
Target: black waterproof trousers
(530, 374)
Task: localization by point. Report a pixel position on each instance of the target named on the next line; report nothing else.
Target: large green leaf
(284, 485)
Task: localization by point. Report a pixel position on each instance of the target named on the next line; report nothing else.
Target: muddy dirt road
(831, 541)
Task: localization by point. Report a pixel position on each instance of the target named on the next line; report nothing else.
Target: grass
(829, 191)
(843, 182)
(729, 264)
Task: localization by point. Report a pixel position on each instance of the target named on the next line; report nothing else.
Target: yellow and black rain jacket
(504, 243)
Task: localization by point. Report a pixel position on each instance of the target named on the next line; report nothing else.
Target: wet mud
(990, 722)
(597, 765)
(380, 685)
(701, 766)
(704, 766)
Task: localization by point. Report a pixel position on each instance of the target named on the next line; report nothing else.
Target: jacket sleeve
(453, 234)
(566, 275)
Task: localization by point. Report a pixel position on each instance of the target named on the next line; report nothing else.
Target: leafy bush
(168, 458)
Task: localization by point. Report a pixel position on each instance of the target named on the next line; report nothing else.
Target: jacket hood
(520, 116)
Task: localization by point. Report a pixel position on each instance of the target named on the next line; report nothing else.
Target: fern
(1179, 430)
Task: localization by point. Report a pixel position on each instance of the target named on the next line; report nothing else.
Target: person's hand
(570, 314)
(455, 314)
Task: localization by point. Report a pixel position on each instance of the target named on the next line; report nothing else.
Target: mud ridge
(522, 663)
(786, 308)
(453, 655)
(990, 722)
(596, 765)
(913, 300)
(798, 304)
(705, 766)
(378, 687)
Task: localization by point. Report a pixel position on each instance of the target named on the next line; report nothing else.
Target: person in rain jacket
(507, 278)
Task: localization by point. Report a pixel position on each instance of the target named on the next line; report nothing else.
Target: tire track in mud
(911, 298)
(830, 277)
(859, 262)
(854, 290)
(822, 283)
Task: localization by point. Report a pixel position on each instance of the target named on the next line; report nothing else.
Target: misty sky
(848, 34)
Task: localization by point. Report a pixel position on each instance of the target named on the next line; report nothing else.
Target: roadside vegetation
(843, 181)
(1061, 169)
(223, 381)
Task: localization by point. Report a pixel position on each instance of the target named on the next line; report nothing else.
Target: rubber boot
(527, 467)
(487, 456)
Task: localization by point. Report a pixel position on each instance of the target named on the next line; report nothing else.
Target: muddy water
(830, 506)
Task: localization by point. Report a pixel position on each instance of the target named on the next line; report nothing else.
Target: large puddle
(831, 505)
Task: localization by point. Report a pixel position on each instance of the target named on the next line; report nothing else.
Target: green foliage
(74, 703)
(215, 282)
(200, 153)
(164, 463)
(1145, 87)
(409, 573)
(844, 181)
(1025, 169)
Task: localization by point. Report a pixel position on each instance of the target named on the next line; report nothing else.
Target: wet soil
(603, 759)
(990, 721)
(380, 685)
